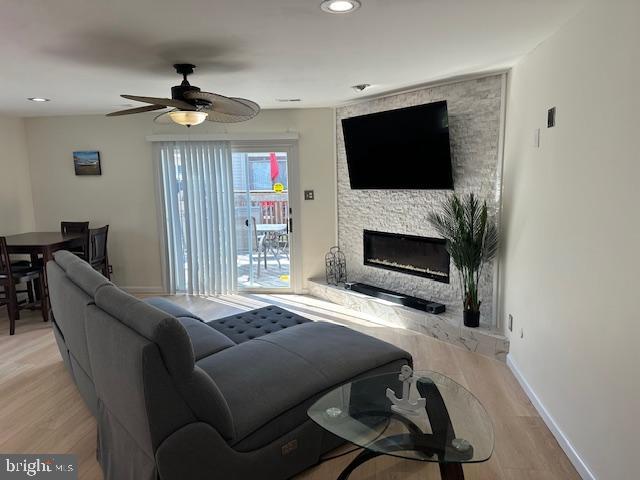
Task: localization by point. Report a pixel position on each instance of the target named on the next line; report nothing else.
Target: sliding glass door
(263, 217)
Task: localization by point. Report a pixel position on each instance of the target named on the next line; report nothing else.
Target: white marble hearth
(445, 326)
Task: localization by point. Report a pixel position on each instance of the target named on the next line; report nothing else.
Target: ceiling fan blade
(251, 104)
(148, 108)
(214, 116)
(167, 102)
(164, 118)
(225, 105)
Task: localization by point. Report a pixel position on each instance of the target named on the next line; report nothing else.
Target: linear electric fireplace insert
(422, 256)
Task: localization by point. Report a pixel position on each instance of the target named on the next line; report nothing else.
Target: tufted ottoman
(256, 323)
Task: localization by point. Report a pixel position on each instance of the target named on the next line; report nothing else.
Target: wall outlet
(510, 323)
(536, 138)
(308, 195)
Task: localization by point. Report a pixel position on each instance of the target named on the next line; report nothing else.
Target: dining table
(42, 245)
(271, 227)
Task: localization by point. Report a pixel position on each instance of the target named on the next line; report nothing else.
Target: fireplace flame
(408, 267)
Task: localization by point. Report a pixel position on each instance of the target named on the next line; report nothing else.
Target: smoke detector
(361, 87)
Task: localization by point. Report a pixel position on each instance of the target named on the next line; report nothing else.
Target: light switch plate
(308, 195)
(551, 117)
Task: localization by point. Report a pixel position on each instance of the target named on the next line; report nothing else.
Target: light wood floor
(41, 411)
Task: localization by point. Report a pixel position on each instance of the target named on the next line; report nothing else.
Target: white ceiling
(84, 53)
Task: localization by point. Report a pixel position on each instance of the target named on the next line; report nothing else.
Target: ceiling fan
(192, 106)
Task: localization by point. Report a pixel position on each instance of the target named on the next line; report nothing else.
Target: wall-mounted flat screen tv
(400, 149)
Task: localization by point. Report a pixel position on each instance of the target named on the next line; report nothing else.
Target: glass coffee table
(453, 427)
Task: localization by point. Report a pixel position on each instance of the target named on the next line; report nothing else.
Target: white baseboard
(144, 290)
(575, 459)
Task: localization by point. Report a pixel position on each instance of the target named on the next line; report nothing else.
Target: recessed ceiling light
(340, 6)
(38, 99)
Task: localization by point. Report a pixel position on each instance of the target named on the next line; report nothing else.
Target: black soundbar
(406, 300)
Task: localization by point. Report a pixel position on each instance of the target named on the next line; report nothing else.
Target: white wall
(571, 225)
(124, 196)
(16, 204)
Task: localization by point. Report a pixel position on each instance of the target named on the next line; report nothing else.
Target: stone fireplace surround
(474, 129)
(443, 326)
(475, 108)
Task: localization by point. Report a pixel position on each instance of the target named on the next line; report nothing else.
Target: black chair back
(98, 248)
(78, 228)
(5, 262)
(70, 228)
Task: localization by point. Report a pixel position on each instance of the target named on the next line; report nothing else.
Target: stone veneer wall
(474, 127)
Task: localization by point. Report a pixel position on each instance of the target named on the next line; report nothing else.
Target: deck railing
(265, 206)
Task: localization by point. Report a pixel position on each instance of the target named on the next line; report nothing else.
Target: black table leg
(451, 471)
(448, 471)
(427, 443)
(364, 456)
(47, 255)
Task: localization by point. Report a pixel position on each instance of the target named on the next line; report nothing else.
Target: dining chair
(78, 228)
(98, 254)
(10, 277)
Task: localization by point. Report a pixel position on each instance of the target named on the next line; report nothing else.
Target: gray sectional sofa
(176, 398)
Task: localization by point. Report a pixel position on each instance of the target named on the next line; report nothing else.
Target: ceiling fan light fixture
(188, 118)
(340, 6)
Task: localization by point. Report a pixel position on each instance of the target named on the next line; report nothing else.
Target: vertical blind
(196, 185)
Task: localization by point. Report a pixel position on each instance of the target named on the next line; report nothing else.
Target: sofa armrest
(171, 308)
(194, 451)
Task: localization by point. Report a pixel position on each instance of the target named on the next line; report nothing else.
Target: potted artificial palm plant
(472, 241)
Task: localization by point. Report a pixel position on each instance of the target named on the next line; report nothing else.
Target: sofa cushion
(341, 354)
(205, 340)
(259, 382)
(171, 308)
(265, 381)
(256, 323)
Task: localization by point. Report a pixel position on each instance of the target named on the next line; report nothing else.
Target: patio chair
(282, 244)
(259, 244)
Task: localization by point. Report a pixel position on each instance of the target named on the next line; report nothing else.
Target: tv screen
(400, 149)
